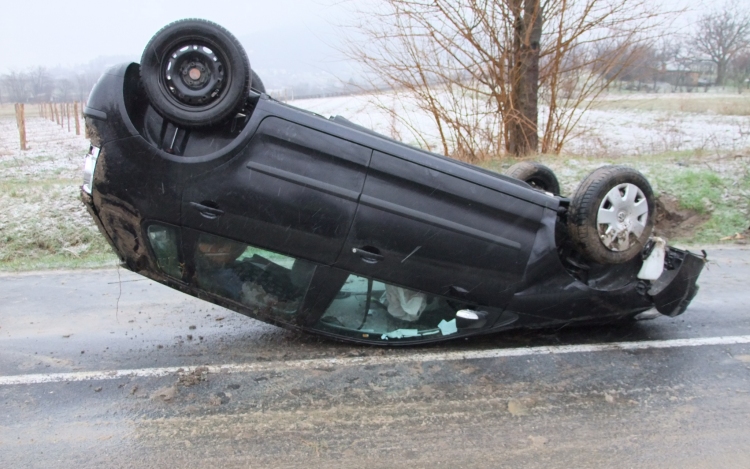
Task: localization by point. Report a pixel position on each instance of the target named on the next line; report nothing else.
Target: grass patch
(723, 222)
(698, 190)
(723, 195)
(45, 225)
(61, 261)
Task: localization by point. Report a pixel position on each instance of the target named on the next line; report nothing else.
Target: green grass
(724, 222)
(697, 190)
(723, 196)
(60, 261)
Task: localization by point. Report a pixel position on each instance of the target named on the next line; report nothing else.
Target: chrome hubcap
(622, 217)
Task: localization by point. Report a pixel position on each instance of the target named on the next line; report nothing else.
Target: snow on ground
(636, 132)
(52, 151)
(607, 133)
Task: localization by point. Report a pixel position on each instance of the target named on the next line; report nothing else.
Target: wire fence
(66, 115)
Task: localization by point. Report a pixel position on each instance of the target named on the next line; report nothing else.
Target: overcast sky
(70, 32)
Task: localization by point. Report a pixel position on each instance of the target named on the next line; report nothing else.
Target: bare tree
(17, 86)
(41, 84)
(721, 35)
(484, 70)
(649, 63)
(84, 83)
(635, 68)
(64, 89)
(739, 70)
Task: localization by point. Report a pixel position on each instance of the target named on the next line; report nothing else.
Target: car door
(439, 233)
(291, 190)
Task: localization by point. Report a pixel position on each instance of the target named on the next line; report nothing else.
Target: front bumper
(677, 286)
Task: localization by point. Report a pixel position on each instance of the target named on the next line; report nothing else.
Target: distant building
(688, 73)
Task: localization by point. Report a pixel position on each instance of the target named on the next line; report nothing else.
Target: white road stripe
(379, 360)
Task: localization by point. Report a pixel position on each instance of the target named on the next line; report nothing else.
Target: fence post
(21, 121)
(78, 119)
(67, 113)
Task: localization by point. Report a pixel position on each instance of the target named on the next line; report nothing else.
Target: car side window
(369, 309)
(165, 244)
(269, 282)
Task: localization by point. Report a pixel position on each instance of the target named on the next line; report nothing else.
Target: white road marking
(379, 360)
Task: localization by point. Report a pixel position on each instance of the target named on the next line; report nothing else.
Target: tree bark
(523, 136)
(721, 72)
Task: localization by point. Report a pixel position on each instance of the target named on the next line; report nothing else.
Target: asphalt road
(675, 394)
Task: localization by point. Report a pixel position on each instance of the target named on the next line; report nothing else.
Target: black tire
(536, 175)
(604, 224)
(256, 82)
(213, 73)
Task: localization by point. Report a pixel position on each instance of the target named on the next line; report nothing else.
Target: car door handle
(368, 254)
(207, 212)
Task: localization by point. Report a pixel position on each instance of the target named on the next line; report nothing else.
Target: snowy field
(602, 132)
(52, 151)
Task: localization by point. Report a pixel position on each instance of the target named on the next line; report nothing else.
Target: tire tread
(527, 170)
(585, 205)
(245, 82)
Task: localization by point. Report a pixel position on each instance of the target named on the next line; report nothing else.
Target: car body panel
(440, 234)
(321, 178)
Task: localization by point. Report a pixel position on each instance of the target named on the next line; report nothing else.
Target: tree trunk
(721, 72)
(523, 136)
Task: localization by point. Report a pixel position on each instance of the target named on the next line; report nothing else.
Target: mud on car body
(202, 182)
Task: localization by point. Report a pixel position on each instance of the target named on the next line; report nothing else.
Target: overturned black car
(202, 182)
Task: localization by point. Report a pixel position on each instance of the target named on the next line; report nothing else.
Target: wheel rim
(622, 217)
(194, 75)
(538, 184)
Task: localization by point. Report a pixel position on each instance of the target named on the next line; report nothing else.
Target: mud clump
(672, 221)
(194, 377)
(166, 394)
